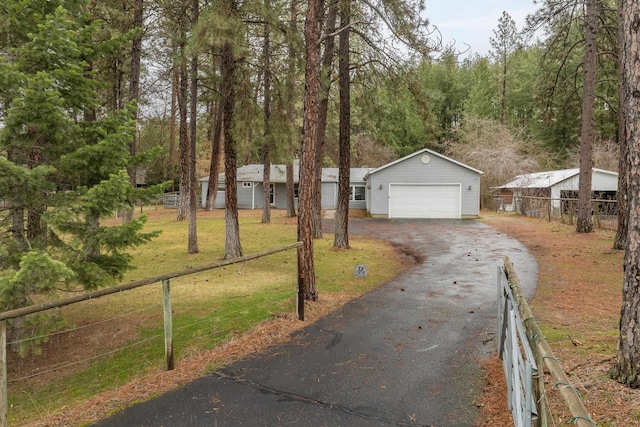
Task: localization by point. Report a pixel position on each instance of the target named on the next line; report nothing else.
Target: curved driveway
(405, 354)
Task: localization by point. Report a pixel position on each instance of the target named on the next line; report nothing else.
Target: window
(295, 190)
(357, 192)
(246, 185)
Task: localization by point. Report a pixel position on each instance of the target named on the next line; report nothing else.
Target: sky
(471, 22)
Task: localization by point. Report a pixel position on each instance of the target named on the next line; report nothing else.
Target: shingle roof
(254, 173)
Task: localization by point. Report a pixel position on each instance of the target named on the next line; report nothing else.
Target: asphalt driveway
(405, 354)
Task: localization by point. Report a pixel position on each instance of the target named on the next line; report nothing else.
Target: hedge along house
(424, 184)
(555, 185)
(251, 194)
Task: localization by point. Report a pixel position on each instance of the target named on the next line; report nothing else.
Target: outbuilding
(556, 185)
(424, 184)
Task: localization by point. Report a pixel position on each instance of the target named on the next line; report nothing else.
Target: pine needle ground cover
(111, 352)
(577, 305)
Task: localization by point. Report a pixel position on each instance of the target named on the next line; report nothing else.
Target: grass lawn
(111, 353)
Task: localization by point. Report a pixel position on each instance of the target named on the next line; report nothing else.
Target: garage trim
(443, 200)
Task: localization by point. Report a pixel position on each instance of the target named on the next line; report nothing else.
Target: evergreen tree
(627, 366)
(64, 167)
(505, 42)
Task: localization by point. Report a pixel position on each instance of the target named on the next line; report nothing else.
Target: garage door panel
(424, 201)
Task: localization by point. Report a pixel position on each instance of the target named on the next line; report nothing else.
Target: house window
(246, 185)
(295, 190)
(357, 192)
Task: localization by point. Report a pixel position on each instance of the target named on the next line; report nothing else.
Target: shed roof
(417, 153)
(547, 179)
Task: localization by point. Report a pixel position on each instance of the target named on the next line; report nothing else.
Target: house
(556, 185)
(424, 184)
(251, 195)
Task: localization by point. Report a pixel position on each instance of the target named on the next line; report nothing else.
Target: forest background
(106, 103)
(97, 98)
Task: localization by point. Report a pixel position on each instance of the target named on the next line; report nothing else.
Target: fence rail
(171, 200)
(542, 354)
(519, 369)
(604, 211)
(166, 303)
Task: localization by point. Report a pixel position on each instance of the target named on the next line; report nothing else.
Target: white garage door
(424, 201)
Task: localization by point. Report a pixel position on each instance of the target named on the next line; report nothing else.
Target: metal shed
(424, 184)
(557, 185)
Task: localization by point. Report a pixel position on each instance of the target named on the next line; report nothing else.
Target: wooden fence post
(300, 290)
(168, 324)
(4, 392)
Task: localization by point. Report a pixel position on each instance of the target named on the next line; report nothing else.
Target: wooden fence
(564, 210)
(543, 354)
(167, 314)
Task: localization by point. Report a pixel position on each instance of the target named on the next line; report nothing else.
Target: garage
(424, 184)
(424, 201)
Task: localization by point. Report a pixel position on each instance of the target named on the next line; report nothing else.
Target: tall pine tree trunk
(192, 245)
(323, 108)
(175, 88)
(620, 241)
(183, 148)
(290, 90)
(266, 145)
(627, 367)
(291, 200)
(312, 33)
(341, 238)
(232, 248)
(134, 93)
(584, 222)
(214, 168)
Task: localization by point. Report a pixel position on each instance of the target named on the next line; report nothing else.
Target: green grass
(208, 308)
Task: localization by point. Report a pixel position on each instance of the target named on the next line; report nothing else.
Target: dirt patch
(577, 304)
(411, 254)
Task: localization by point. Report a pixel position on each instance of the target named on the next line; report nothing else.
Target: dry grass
(125, 321)
(577, 305)
(578, 295)
(189, 368)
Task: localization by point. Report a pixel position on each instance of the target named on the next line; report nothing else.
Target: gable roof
(548, 179)
(417, 153)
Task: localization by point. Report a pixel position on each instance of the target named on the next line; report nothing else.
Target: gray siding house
(251, 194)
(424, 184)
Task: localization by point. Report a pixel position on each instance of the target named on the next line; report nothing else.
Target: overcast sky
(472, 22)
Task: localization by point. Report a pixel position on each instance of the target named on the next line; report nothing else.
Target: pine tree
(341, 239)
(627, 366)
(64, 168)
(505, 42)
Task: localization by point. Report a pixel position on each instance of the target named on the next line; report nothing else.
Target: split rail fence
(524, 352)
(22, 313)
